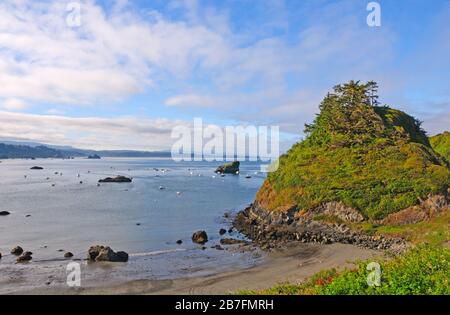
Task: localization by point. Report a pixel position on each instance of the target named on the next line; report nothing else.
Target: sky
(131, 71)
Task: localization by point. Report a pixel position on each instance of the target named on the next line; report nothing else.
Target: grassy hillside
(441, 144)
(375, 159)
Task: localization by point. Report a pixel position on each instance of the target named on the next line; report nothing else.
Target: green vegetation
(434, 231)
(374, 159)
(441, 144)
(423, 270)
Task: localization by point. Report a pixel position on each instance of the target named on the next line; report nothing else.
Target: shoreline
(295, 263)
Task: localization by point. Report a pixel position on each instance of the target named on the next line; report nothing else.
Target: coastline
(294, 263)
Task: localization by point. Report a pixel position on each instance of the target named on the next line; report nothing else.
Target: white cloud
(90, 132)
(190, 100)
(13, 104)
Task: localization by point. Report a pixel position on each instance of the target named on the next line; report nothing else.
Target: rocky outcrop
(200, 237)
(117, 179)
(230, 168)
(426, 210)
(338, 210)
(271, 230)
(105, 253)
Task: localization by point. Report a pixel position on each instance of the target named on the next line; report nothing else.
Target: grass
(441, 144)
(424, 270)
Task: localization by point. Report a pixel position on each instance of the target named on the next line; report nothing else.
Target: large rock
(117, 179)
(4, 213)
(25, 257)
(230, 168)
(200, 237)
(17, 250)
(105, 253)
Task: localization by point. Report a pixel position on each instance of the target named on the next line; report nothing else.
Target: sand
(292, 264)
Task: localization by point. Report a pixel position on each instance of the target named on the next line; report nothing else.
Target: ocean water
(53, 213)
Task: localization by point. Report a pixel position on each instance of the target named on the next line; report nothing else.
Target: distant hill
(441, 144)
(24, 150)
(8, 151)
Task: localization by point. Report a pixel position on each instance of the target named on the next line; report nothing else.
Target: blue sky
(133, 70)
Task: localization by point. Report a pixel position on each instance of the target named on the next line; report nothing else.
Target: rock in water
(230, 168)
(179, 242)
(105, 253)
(68, 255)
(117, 179)
(24, 257)
(200, 237)
(4, 213)
(17, 250)
(0, 255)
(36, 168)
(222, 231)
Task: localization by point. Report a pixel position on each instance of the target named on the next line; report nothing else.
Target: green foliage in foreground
(424, 270)
(375, 159)
(441, 144)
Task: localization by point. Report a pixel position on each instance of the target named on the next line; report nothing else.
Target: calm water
(71, 216)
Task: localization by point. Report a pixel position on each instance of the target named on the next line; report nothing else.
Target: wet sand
(292, 264)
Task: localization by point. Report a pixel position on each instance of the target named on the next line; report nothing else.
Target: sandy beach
(294, 264)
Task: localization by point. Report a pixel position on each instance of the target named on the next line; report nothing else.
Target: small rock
(231, 241)
(17, 251)
(222, 231)
(179, 242)
(0, 255)
(200, 237)
(68, 255)
(4, 213)
(36, 168)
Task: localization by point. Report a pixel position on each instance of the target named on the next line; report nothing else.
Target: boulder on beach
(105, 253)
(24, 257)
(17, 250)
(36, 168)
(4, 213)
(117, 179)
(229, 168)
(200, 237)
